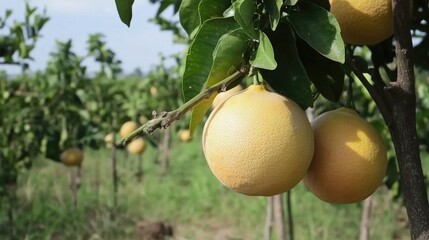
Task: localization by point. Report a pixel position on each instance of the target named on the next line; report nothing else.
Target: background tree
(255, 33)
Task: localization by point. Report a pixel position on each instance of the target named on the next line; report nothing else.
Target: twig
(164, 119)
(378, 98)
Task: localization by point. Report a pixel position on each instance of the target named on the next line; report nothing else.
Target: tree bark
(403, 126)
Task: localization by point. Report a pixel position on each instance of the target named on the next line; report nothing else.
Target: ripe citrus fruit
(350, 158)
(153, 91)
(108, 139)
(136, 146)
(258, 143)
(363, 22)
(222, 96)
(127, 128)
(72, 157)
(185, 135)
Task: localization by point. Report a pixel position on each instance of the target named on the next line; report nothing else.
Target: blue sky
(137, 46)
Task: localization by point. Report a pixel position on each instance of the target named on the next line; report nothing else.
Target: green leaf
(125, 10)
(193, 13)
(264, 57)
(289, 78)
(199, 59)
(227, 58)
(273, 8)
(243, 14)
(291, 2)
(164, 5)
(319, 29)
(189, 16)
(209, 9)
(326, 75)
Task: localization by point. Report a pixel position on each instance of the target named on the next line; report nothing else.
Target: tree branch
(164, 119)
(376, 96)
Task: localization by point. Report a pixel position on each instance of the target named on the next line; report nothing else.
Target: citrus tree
(306, 48)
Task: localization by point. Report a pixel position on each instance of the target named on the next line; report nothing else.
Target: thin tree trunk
(126, 158)
(403, 126)
(279, 217)
(165, 153)
(73, 186)
(289, 214)
(10, 214)
(139, 173)
(114, 179)
(269, 219)
(97, 183)
(365, 219)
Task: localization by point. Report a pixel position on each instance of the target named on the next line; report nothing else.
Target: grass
(189, 198)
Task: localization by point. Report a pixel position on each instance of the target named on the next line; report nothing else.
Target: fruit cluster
(260, 143)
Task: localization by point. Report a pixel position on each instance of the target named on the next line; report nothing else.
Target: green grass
(188, 197)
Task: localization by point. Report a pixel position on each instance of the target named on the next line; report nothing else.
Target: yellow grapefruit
(258, 143)
(222, 96)
(349, 160)
(363, 22)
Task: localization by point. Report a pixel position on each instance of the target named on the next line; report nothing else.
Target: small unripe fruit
(128, 128)
(185, 135)
(137, 146)
(72, 157)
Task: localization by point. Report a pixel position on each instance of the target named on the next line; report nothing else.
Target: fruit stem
(164, 119)
(257, 80)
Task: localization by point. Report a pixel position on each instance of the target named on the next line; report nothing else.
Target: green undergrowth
(187, 197)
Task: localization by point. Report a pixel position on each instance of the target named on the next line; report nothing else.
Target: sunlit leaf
(227, 58)
(319, 29)
(193, 13)
(264, 57)
(199, 59)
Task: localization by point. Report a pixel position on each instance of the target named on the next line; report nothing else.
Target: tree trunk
(73, 186)
(11, 191)
(139, 173)
(269, 219)
(289, 214)
(365, 219)
(403, 126)
(165, 150)
(114, 179)
(279, 217)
